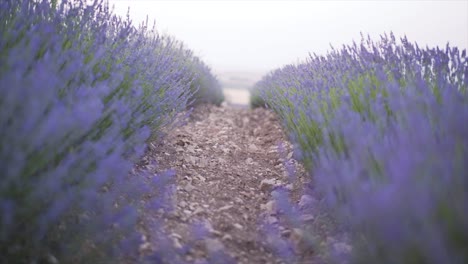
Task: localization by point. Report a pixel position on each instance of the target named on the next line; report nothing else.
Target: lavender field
(119, 144)
(382, 128)
(82, 92)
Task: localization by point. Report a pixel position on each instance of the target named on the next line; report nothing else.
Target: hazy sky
(263, 35)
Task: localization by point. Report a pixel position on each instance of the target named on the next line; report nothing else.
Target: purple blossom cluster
(81, 92)
(383, 129)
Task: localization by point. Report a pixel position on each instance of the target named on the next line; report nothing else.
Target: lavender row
(81, 92)
(383, 129)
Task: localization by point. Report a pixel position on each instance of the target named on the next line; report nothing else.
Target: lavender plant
(81, 91)
(382, 128)
(206, 86)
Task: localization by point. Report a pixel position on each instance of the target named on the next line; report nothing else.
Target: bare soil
(228, 162)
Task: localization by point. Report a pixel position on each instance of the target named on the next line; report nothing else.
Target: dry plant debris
(228, 160)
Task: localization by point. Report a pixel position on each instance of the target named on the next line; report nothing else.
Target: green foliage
(256, 100)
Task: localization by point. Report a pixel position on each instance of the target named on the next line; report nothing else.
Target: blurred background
(243, 40)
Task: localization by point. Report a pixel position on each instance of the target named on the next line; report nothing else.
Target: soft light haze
(263, 35)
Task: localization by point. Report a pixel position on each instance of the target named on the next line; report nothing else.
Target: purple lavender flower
(382, 129)
(81, 91)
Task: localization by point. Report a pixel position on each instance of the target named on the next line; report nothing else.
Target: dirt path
(227, 164)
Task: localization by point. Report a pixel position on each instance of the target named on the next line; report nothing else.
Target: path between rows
(227, 162)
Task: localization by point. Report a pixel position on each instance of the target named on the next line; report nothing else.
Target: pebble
(201, 178)
(52, 259)
(307, 218)
(267, 184)
(297, 235)
(272, 220)
(175, 235)
(342, 248)
(187, 212)
(176, 243)
(144, 247)
(245, 216)
(269, 207)
(286, 232)
(213, 245)
(252, 147)
(199, 210)
(224, 208)
(306, 201)
(227, 237)
(189, 187)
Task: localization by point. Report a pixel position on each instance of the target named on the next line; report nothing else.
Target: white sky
(263, 35)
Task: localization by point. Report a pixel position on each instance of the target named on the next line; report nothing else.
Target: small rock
(199, 210)
(249, 160)
(227, 237)
(269, 207)
(213, 245)
(341, 248)
(224, 208)
(245, 216)
(52, 259)
(145, 247)
(306, 201)
(256, 131)
(191, 160)
(238, 226)
(191, 149)
(252, 147)
(187, 212)
(105, 189)
(245, 120)
(307, 217)
(189, 187)
(201, 178)
(297, 236)
(227, 215)
(176, 243)
(215, 232)
(210, 228)
(272, 220)
(179, 149)
(286, 232)
(183, 204)
(175, 235)
(202, 163)
(267, 184)
(193, 206)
